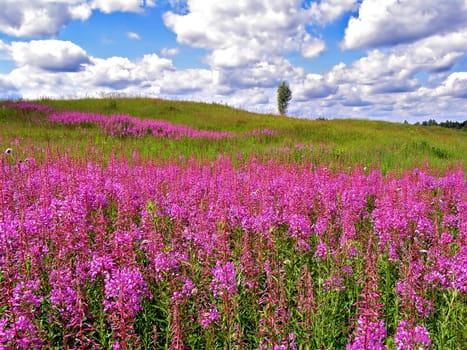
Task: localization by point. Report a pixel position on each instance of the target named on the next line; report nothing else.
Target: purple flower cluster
(209, 316)
(124, 125)
(30, 106)
(87, 246)
(124, 290)
(224, 279)
(370, 335)
(408, 337)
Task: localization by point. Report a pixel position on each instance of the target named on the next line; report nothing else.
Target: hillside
(337, 142)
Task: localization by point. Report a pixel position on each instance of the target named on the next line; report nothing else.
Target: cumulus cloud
(108, 6)
(246, 56)
(34, 18)
(58, 69)
(255, 32)
(312, 47)
(143, 76)
(313, 94)
(185, 82)
(391, 22)
(39, 18)
(170, 51)
(394, 71)
(329, 10)
(133, 36)
(114, 72)
(263, 74)
(49, 55)
(4, 50)
(253, 99)
(385, 82)
(455, 85)
(119, 72)
(7, 89)
(314, 86)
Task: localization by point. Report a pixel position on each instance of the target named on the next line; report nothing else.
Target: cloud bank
(411, 65)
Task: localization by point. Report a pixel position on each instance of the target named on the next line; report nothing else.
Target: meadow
(138, 223)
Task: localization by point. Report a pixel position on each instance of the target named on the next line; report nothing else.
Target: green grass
(336, 142)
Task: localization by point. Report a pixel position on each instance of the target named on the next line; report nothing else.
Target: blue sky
(377, 59)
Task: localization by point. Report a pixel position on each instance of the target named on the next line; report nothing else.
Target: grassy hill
(336, 142)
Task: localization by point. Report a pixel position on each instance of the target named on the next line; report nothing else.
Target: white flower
(8, 151)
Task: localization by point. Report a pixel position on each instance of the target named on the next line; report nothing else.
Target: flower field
(124, 125)
(204, 255)
(233, 253)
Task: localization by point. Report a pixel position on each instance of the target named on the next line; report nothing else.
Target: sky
(375, 59)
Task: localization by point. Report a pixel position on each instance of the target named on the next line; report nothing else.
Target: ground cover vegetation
(158, 224)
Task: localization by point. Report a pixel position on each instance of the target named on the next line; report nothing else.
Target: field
(137, 223)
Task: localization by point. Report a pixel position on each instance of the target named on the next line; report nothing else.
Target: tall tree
(284, 95)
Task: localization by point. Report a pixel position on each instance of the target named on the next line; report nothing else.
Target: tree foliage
(446, 124)
(284, 95)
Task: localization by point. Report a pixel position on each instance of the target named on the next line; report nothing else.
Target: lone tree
(284, 95)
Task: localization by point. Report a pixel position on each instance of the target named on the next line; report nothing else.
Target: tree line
(446, 124)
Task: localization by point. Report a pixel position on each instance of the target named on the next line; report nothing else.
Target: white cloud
(49, 55)
(108, 6)
(185, 82)
(253, 99)
(113, 72)
(232, 57)
(133, 36)
(391, 22)
(327, 11)
(119, 72)
(313, 94)
(312, 47)
(264, 74)
(58, 69)
(394, 71)
(81, 11)
(314, 86)
(169, 51)
(39, 18)
(4, 50)
(246, 59)
(7, 89)
(33, 18)
(36, 83)
(455, 85)
(385, 82)
(254, 32)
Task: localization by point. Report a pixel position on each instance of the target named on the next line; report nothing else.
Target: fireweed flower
(321, 250)
(124, 289)
(208, 316)
(27, 294)
(59, 201)
(7, 334)
(224, 279)
(409, 337)
(369, 335)
(187, 291)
